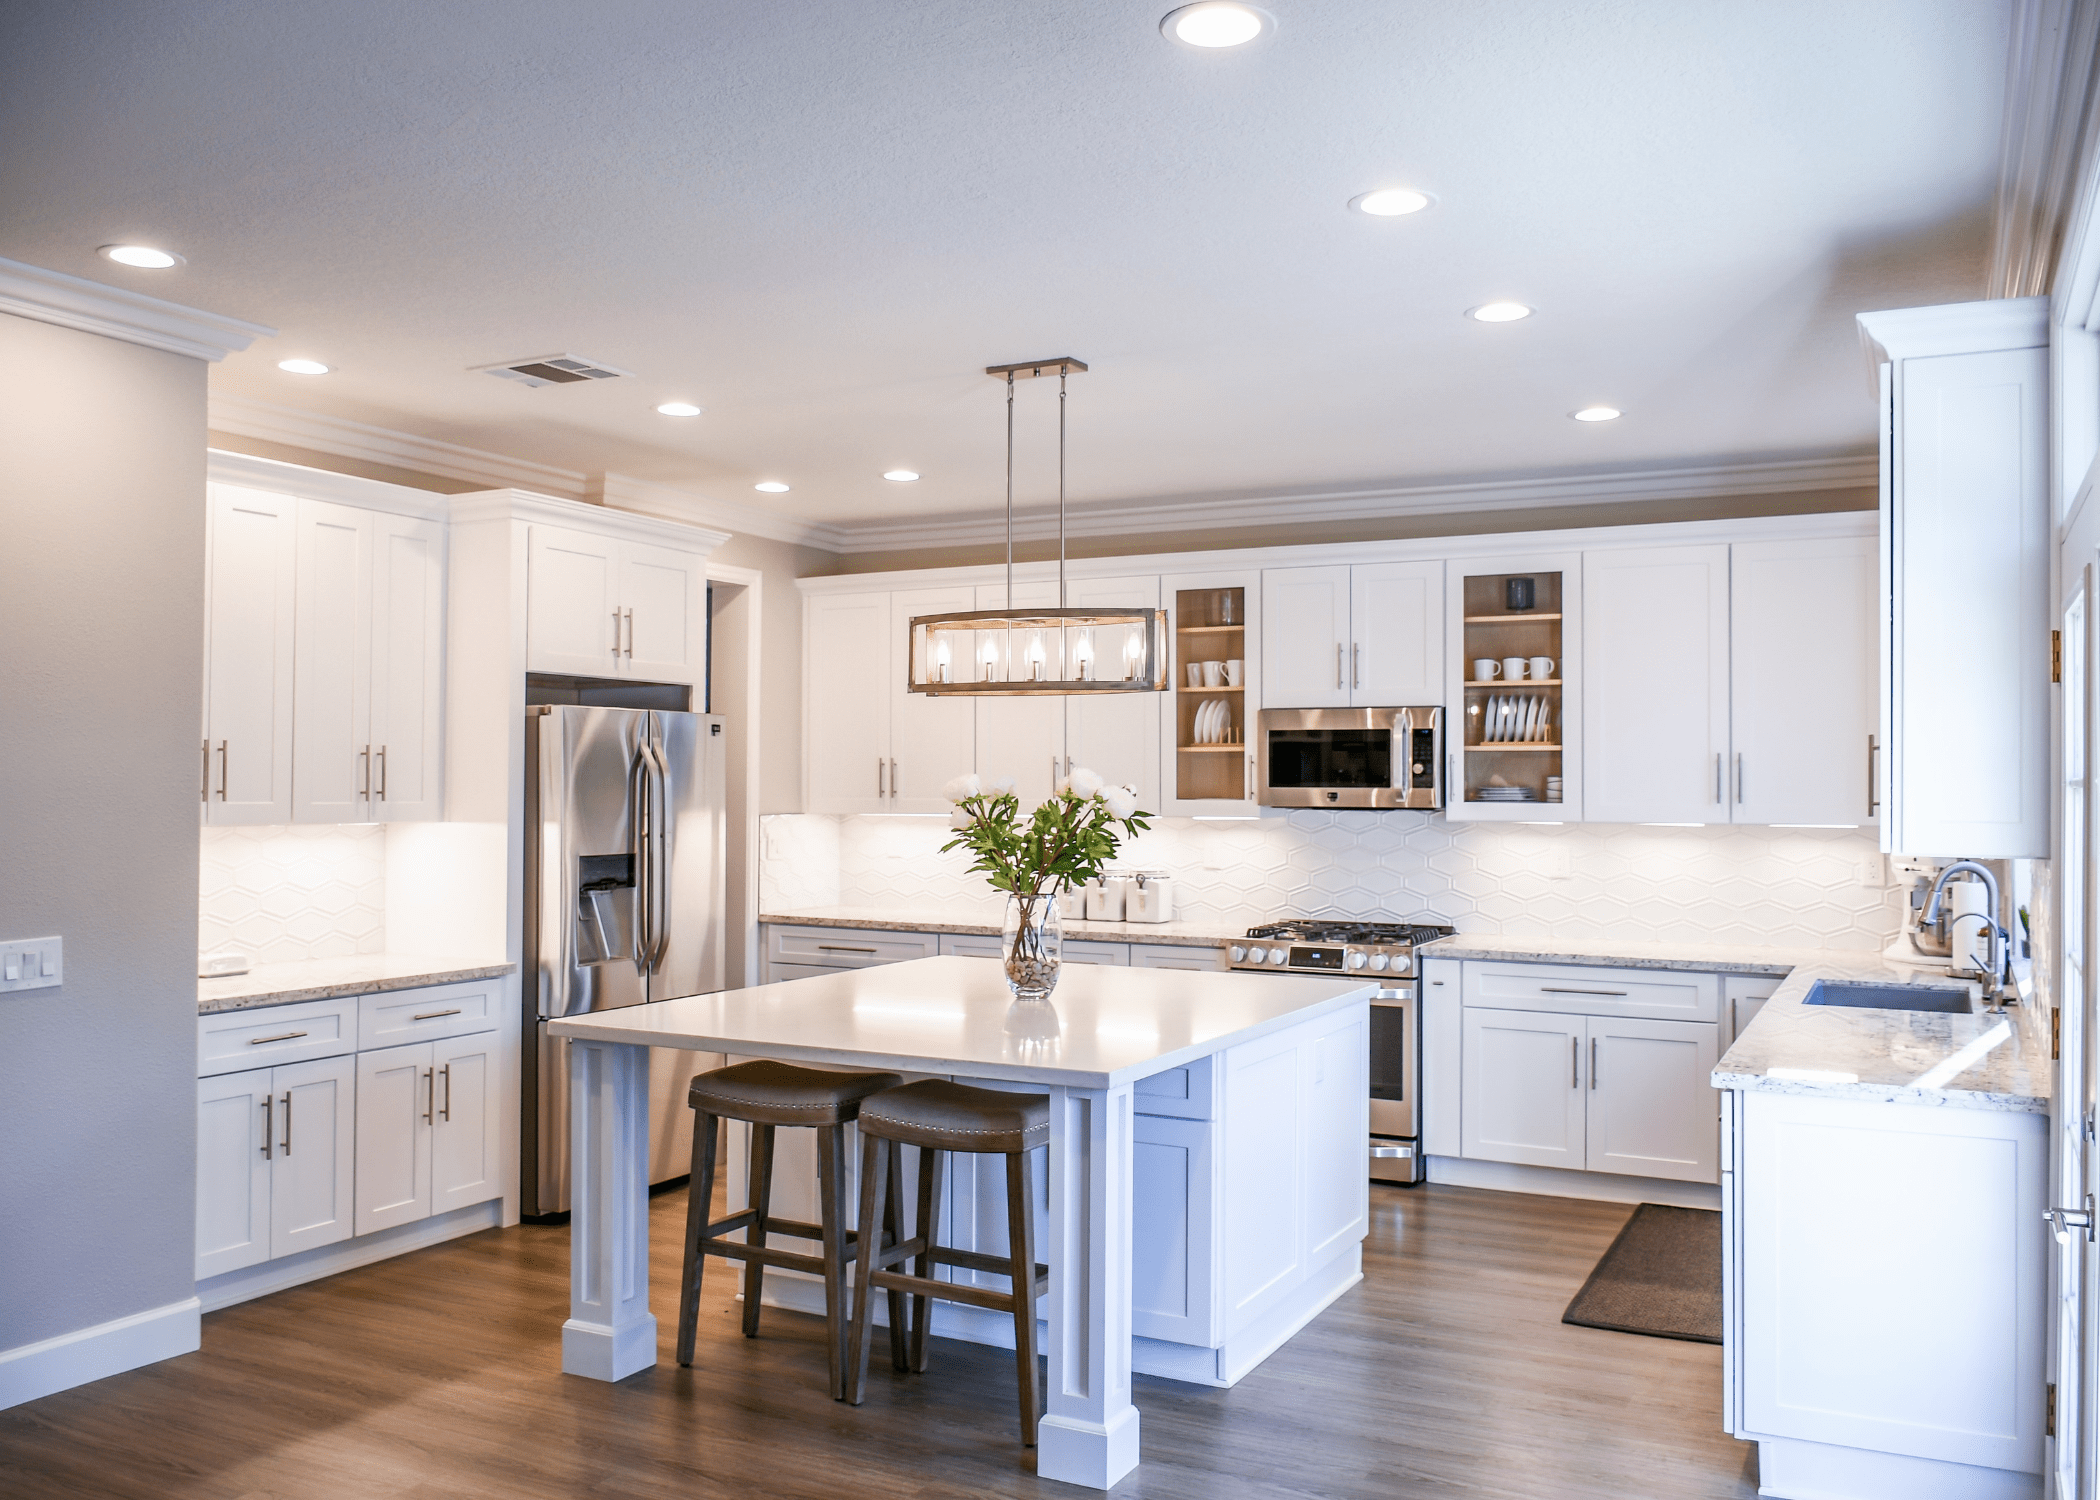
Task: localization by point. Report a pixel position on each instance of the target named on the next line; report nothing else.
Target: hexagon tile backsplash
(1764, 887)
(282, 894)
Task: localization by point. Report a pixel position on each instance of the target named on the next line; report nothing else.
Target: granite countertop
(328, 978)
(891, 919)
(1701, 958)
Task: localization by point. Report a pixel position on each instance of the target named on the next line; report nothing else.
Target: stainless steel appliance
(1384, 951)
(623, 906)
(1350, 757)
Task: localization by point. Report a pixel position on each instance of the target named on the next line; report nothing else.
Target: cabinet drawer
(1175, 956)
(400, 1016)
(1074, 950)
(777, 973)
(1184, 1093)
(232, 1040)
(846, 947)
(1656, 994)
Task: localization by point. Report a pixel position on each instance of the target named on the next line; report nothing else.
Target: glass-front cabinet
(1213, 622)
(1513, 727)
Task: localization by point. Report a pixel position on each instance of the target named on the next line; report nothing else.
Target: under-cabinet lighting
(1672, 825)
(140, 257)
(1813, 825)
(1542, 822)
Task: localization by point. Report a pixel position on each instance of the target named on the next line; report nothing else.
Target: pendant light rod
(1029, 369)
(1009, 489)
(1060, 493)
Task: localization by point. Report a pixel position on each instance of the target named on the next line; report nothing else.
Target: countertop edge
(1100, 932)
(343, 989)
(1984, 1100)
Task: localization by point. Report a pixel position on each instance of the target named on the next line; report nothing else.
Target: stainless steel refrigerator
(623, 906)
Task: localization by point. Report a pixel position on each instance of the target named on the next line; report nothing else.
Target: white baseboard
(1792, 1469)
(1553, 1182)
(70, 1359)
(270, 1276)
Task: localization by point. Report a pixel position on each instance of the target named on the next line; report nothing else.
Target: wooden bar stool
(766, 1095)
(939, 1117)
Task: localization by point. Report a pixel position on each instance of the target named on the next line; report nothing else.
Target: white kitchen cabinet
(1745, 995)
(1481, 624)
(1656, 685)
(248, 674)
(1173, 1260)
(465, 1163)
(1176, 956)
(1073, 951)
(1964, 719)
(663, 593)
(600, 606)
(1019, 738)
(1211, 616)
(1650, 1111)
(1305, 637)
(1523, 1099)
(1369, 635)
(1114, 734)
(931, 740)
(274, 1163)
(426, 1129)
(408, 669)
(846, 703)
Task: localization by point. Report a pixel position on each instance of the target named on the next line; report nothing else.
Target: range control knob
(1239, 954)
(1379, 960)
(1420, 768)
(1278, 955)
(1355, 960)
(1403, 963)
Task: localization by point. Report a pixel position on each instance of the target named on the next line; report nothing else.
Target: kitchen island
(1265, 1074)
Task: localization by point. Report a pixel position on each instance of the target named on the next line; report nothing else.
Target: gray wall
(101, 661)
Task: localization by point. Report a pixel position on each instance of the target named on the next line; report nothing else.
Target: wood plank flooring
(436, 1376)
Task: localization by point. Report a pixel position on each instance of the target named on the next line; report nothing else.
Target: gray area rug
(1661, 1277)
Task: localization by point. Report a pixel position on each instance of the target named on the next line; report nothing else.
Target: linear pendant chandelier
(1061, 652)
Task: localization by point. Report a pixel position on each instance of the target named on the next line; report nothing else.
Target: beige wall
(101, 678)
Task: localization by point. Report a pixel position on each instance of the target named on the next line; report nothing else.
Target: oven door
(1350, 757)
(1395, 1053)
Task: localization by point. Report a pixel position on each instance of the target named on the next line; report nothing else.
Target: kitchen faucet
(2000, 939)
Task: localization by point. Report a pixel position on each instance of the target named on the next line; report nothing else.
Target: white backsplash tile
(798, 862)
(1760, 886)
(283, 894)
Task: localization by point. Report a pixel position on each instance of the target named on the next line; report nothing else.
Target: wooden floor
(436, 1376)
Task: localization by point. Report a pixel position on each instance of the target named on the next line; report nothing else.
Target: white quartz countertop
(1699, 958)
(895, 919)
(328, 978)
(955, 1015)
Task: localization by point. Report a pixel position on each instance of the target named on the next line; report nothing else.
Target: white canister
(1104, 898)
(1152, 898)
(1071, 903)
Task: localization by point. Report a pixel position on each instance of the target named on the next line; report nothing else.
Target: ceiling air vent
(553, 369)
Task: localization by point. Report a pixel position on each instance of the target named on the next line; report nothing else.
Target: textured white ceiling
(821, 219)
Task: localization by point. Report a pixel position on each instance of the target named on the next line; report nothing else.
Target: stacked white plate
(1507, 794)
(1213, 721)
(1516, 719)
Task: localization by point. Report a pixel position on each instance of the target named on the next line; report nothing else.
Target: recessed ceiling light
(302, 366)
(1216, 23)
(770, 487)
(1498, 312)
(679, 409)
(901, 476)
(145, 257)
(1596, 414)
(1390, 203)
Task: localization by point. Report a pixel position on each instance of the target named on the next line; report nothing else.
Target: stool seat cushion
(765, 1092)
(956, 1117)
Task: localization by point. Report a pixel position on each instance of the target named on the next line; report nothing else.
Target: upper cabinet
(601, 606)
(1207, 721)
(1368, 635)
(1115, 734)
(1022, 738)
(249, 633)
(870, 746)
(1513, 715)
(1963, 750)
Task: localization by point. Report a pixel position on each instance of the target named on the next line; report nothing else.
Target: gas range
(1325, 946)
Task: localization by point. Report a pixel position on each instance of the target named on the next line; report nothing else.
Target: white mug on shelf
(1513, 668)
(1542, 666)
(1486, 669)
(1235, 672)
(1195, 674)
(1214, 674)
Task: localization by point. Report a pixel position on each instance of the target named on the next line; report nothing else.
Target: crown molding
(70, 302)
(682, 505)
(1536, 492)
(245, 417)
(1953, 328)
(246, 471)
(2045, 140)
(511, 504)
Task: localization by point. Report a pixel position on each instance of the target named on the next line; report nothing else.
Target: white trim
(54, 297)
(1591, 538)
(1953, 328)
(30, 1371)
(1560, 1182)
(600, 520)
(753, 582)
(2046, 132)
(1532, 492)
(215, 1292)
(272, 423)
(681, 505)
(267, 474)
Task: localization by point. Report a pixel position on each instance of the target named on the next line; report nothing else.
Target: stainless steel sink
(1868, 996)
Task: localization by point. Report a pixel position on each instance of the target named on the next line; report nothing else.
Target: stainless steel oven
(1350, 757)
(1396, 1047)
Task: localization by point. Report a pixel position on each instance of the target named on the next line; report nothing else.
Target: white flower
(959, 820)
(1003, 785)
(966, 785)
(1121, 800)
(1085, 783)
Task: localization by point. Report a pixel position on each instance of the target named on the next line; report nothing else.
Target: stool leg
(831, 1211)
(931, 1163)
(1020, 1240)
(699, 1209)
(761, 1203)
(893, 1234)
(872, 1182)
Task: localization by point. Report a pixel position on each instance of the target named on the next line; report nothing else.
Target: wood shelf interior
(1493, 629)
(1504, 685)
(1209, 625)
(1514, 617)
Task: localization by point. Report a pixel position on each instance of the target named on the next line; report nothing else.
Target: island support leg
(1089, 1436)
(610, 1333)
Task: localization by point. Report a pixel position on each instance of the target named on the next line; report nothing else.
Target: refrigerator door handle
(638, 811)
(659, 938)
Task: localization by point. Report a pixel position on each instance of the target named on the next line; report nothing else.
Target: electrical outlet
(31, 964)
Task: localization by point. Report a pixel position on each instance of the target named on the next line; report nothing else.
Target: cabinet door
(250, 629)
(1655, 685)
(464, 1162)
(408, 661)
(233, 1176)
(846, 690)
(332, 674)
(1523, 1099)
(1305, 637)
(664, 592)
(1210, 617)
(1652, 1109)
(393, 1136)
(1745, 996)
(1117, 734)
(932, 740)
(572, 619)
(310, 1180)
(1023, 738)
(1172, 1292)
(1396, 634)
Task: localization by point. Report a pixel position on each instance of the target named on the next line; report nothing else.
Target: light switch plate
(31, 964)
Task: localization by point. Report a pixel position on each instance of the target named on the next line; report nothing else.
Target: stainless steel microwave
(1350, 757)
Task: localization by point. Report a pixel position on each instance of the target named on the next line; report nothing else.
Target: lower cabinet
(426, 1137)
(274, 1165)
(805, 952)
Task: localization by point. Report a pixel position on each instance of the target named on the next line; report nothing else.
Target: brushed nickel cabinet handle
(1547, 989)
(879, 763)
(430, 1078)
(1338, 682)
(841, 948)
(446, 1112)
(204, 787)
(269, 1130)
(382, 773)
(282, 1036)
(1593, 1062)
(1574, 1062)
(222, 770)
(1718, 758)
(286, 1147)
(616, 633)
(1356, 664)
(432, 1015)
(1873, 801)
(364, 772)
(896, 786)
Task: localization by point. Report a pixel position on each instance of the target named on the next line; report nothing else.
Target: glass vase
(1031, 945)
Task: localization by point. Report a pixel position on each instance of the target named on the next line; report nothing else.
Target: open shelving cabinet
(1211, 618)
(1483, 625)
